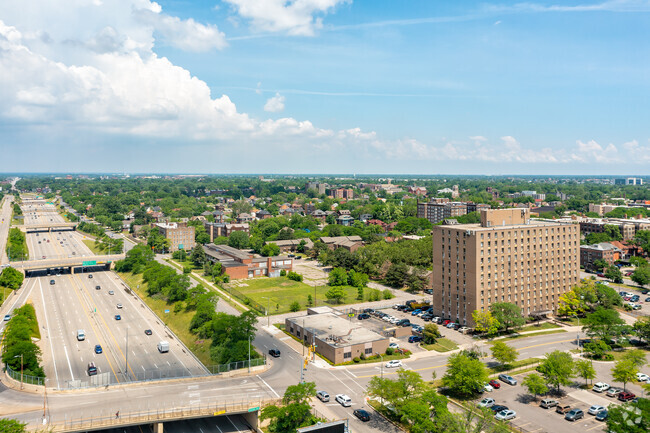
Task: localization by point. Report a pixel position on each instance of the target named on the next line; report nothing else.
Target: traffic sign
(89, 263)
(254, 409)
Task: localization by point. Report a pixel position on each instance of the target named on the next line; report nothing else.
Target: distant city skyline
(326, 86)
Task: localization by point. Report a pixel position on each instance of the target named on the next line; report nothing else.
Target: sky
(325, 86)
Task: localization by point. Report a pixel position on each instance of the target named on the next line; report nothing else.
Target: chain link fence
(25, 378)
(246, 300)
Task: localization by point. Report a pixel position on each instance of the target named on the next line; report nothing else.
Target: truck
(163, 346)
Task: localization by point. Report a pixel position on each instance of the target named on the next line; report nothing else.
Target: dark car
(98, 349)
(602, 415)
(414, 339)
(574, 415)
(498, 408)
(404, 323)
(147, 332)
(118, 317)
(363, 415)
(274, 353)
(626, 396)
(363, 316)
(52, 282)
(90, 276)
(98, 287)
(494, 384)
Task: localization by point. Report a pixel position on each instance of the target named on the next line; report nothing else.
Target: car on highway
(548, 403)
(147, 332)
(505, 415)
(595, 409)
(323, 396)
(626, 396)
(90, 276)
(613, 392)
(110, 292)
(362, 414)
(486, 402)
(44, 256)
(600, 387)
(602, 415)
(642, 377)
(52, 282)
(98, 287)
(343, 400)
(274, 353)
(7, 317)
(498, 408)
(574, 415)
(118, 317)
(394, 363)
(98, 349)
(508, 379)
(119, 306)
(494, 384)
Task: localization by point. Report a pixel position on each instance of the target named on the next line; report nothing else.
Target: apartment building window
(348, 355)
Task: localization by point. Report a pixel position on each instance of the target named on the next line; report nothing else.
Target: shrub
(187, 269)
(387, 294)
(178, 307)
(390, 351)
(363, 356)
(283, 273)
(356, 360)
(295, 306)
(294, 276)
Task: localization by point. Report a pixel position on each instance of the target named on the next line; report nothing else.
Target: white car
(488, 388)
(393, 346)
(600, 387)
(506, 415)
(119, 306)
(394, 363)
(394, 320)
(386, 318)
(344, 400)
(593, 410)
(642, 377)
(486, 402)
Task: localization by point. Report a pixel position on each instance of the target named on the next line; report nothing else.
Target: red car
(626, 396)
(494, 384)
(446, 322)
(601, 275)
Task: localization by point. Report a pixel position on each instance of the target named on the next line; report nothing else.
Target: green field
(545, 325)
(179, 323)
(282, 292)
(441, 345)
(91, 244)
(557, 331)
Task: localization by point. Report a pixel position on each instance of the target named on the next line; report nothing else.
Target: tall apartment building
(438, 209)
(342, 193)
(629, 181)
(180, 235)
(506, 258)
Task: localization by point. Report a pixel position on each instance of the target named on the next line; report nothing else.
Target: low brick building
(238, 264)
(602, 251)
(215, 230)
(336, 338)
(180, 235)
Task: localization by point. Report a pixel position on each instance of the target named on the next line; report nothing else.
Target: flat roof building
(506, 258)
(180, 235)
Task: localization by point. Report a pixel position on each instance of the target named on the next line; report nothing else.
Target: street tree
(642, 328)
(614, 274)
(508, 315)
(585, 369)
(624, 371)
(430, 333)
(603, 323)
(485, 322)
(636, 356)
(557, 368)
(464, 375)
(11, 426)
(503, 353)
(295, 411)
(535, 384)
(421, 414)
(629, 418)
(641, 275)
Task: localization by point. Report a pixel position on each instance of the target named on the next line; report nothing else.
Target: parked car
(574, 415)
(487, 388)
(404, 323)
(595, 409)
(494, 384)
(613, 392)
(602, 415)
(505, 415)
(463, 330)
(393, 346)
(508, 379)
(362, 414)
(486, 402)
(626, 396)
(363, 316)
(562, 408)
(446, 322)
(642, 377)
(498, 408)
(416, 312)
(274, 353)
(343, 400)
(600, 387)
(323, 396)
(394, 363)
(548, 403)
(414, 339)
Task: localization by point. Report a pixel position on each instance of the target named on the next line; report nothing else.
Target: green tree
(535, 384)
(603, 323)
(337, 277)
(597, 348)
(295, 306)
(238, 239)
(642, 328)
(624, 371)
(557, 368)
(11, 426)
(11, 278)
(636, 357)
(508, 315)
(430, 333)
(641, 275)
(614, 274)
(198, 256)
(396, 275)
(408, 386)
(629, 418)
(585, 369)
(295, 412)
(336, 294)
(485, 322)
(503, 353)
(600, 264)
(464, 375)
(270, 250)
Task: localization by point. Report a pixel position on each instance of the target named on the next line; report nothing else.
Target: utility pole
(249, 353)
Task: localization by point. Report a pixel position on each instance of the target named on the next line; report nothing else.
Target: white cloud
(275, 104)
(294, 17)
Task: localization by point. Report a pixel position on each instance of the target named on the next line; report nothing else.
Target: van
(92, 370)
(163, 346)
(81, 335)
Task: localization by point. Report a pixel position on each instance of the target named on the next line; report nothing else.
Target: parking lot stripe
(596, 426)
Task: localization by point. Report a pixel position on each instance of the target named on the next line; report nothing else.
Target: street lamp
(268, 309)
(21, 369)
(382, 364)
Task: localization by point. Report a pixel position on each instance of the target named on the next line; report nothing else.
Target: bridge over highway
(66, 262)
(47, 226)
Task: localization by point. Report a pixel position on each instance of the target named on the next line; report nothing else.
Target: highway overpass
(67, 262)
(47, 226)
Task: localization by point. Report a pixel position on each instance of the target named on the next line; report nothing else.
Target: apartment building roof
(336, 331)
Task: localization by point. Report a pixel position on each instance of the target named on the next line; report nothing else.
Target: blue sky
(326, 86)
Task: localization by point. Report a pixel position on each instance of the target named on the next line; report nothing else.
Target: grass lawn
(91, 244)
(179, 323)
(441, 345)
(545, 325)
(572, 321)
(557, 331)
(283, 291)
